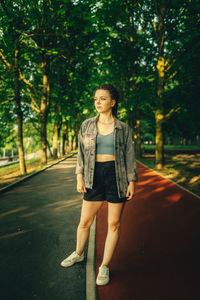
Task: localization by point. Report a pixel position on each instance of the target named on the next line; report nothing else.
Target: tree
(13, 67)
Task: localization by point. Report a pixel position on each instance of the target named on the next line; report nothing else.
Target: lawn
(181, 168)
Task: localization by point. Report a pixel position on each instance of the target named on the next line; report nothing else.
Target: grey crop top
(105, 144)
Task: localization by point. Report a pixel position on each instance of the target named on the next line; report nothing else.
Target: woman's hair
(113, 94)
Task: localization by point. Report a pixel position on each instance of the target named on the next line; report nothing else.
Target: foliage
(91, 42)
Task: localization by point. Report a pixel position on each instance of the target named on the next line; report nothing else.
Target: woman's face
(103, 102)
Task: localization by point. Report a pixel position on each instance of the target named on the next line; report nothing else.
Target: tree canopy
(53, 54)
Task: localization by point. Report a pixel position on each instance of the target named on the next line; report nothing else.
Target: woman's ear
(113, 102)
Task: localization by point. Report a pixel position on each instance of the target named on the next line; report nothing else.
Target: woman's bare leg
(114, 215)
(88, 212)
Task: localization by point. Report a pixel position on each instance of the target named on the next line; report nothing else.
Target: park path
(38, 222)
(157, 257)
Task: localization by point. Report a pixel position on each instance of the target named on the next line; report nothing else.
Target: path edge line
(180, 186)
(7, 187)
(90, 265)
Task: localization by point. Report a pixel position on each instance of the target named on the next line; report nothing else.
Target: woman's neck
(106, 117)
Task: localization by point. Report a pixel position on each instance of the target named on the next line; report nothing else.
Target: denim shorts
(104, 185)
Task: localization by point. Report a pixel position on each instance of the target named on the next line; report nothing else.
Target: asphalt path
(38, 222)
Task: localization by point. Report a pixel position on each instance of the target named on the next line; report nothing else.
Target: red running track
(158, 253)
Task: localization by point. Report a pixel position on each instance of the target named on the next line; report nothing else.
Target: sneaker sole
(71, 264)
(102, 283)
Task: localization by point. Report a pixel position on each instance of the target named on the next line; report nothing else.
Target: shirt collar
(116, 121)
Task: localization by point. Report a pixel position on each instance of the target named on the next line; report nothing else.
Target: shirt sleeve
(130, 157)
(80, 156)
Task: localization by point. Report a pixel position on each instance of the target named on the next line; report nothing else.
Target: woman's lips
(99, 106)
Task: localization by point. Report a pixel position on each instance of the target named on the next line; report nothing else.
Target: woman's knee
(86, 223)
(114, 225)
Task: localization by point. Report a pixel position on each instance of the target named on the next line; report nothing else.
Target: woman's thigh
(89, 210)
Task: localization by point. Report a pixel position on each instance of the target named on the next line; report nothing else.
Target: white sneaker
(103, 275)
(72, 259)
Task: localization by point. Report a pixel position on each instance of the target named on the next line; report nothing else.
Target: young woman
(106, 171)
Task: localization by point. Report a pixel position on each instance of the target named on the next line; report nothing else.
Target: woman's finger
(79, 190)
(131, 195)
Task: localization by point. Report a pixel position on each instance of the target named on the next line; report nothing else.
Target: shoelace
(71, 257)
(104, 272)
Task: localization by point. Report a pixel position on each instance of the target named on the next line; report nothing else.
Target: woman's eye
(100, 99)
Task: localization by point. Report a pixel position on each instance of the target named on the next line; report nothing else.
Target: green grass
(12, 168)
(174, 147)
(150, 162)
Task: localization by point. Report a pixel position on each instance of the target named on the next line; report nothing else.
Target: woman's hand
(80, 184)
(131, 190)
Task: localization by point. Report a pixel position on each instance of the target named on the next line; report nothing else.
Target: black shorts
(104, 184)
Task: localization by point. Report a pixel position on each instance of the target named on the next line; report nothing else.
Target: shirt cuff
(132, 177)
(79, 170)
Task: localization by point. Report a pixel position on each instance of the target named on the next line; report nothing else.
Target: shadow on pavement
(38, 223)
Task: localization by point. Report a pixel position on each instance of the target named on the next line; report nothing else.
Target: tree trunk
(19, 112)
(44, 108)
(159, 116)
(137, 132)
(49, 148)
(76, 138)
(71, 138)
(67, 140)
(159, 140)
(55, 140)
(43, 120)
(59, 150)
(130, 118)
(73, 142)
(64, 138)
